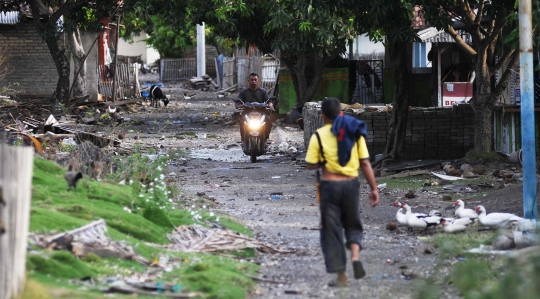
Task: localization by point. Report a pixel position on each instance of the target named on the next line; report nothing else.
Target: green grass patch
(188, 133)
(453, 245)
(59, 264)
(406, 183)
(54, 209)
(217, 276)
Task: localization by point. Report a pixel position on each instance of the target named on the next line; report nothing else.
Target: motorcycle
(254, 118)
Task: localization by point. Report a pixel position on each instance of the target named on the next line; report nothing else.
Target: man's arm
(266, 99)
(312, 166)
(365, 165)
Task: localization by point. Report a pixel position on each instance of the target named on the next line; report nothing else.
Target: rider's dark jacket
(258, 95)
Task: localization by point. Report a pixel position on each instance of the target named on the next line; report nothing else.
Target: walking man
(339, 147)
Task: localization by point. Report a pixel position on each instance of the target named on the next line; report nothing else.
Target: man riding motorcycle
(254, 94)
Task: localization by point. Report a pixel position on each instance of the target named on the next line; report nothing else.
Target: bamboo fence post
(16, 166)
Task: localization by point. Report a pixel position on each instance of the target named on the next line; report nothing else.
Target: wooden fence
(174, 69)
(127, 83)
(16, 165)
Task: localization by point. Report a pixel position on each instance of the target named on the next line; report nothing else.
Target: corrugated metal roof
(432, 35)
(9, 18)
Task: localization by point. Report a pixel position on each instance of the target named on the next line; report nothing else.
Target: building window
(420, 51)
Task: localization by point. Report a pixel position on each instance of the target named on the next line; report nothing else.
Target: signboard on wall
(456, 92)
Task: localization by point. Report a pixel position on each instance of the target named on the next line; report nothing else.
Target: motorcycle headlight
(254, 123)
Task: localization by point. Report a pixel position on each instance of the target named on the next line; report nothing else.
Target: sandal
(335, 284)
(358, 269)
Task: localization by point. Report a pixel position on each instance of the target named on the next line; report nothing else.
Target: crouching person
(339, 147)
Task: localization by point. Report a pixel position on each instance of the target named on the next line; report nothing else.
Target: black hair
(331, 108)
(254, 75)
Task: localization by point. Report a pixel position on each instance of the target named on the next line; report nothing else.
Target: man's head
(253, 81)
(330, 108)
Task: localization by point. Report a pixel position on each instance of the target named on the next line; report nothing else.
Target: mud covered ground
(215, 166)
(203, 139)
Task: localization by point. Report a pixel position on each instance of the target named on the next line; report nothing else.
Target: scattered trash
(69, 141)
(293, 292)
(283, 147)
(276, 177)
(275, 197)
(381, 186)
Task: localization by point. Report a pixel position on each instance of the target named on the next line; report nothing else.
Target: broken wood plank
(446, 177)
(413, 166)
(124, 102)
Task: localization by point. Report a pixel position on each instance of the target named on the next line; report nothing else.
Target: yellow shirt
(330, 148)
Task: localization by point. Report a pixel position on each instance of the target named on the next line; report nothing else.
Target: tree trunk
(79, 63)
(485, 98)
(48, 28)
(398, 123)
(307, 70)
(306, 74)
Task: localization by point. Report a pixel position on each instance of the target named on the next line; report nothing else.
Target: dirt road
(275, 199)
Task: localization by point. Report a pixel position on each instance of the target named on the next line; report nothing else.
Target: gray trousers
(339, 213)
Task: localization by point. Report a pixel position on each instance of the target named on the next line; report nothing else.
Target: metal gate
(369, 82)
(174, 69)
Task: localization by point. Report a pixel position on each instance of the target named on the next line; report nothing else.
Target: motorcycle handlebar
(265, 105)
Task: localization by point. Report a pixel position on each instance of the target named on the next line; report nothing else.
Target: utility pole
(530, 209)
(201, 55)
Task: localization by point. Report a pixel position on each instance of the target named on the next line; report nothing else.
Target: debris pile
(196, 238)
(88, 239)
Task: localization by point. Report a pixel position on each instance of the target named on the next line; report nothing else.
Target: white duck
(400, 214)
(461, 212)
(401, 218)
(418, 215)
(492, 220)
(453, 227)
(522, 224)
(460, 221)
(415, 222)
(111, 110)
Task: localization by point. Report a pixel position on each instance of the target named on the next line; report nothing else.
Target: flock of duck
(463, 219)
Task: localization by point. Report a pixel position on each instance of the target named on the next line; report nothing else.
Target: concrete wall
(432, 133)
(92, 76)
(138, 47)
(31, 65)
